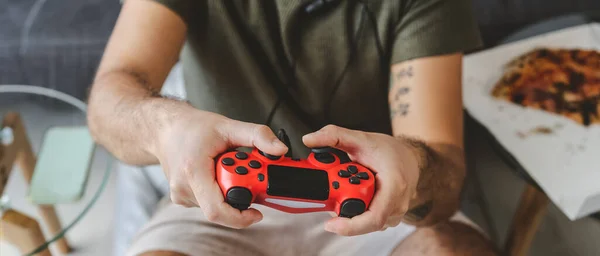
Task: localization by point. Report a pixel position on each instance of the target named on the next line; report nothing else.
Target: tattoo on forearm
(405, 72)
(419, 212)
(401, 92)
(442, 174)
(399, 107)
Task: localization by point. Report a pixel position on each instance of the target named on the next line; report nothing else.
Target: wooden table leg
(25, 232)
(26, 160)
(527, 218)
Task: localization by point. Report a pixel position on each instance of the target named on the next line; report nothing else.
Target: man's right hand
(187, 150)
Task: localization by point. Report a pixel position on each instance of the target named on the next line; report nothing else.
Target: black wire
(272, 112)
(373, 20)
(338, 82)
(380, 53)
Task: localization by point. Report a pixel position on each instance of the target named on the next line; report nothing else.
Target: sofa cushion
(499, 18)
(55, 44)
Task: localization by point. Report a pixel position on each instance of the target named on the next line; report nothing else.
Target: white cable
(30, 89)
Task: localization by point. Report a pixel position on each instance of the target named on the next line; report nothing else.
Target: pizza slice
(561, 81)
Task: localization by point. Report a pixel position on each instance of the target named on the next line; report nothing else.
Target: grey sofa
(54, 43)
(58, 43)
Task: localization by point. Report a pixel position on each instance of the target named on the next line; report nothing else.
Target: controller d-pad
(254, 164)
(352, 169)
(241, 155)
(325, 157)
(241, 170)
(354, 180)
(344, 174)
(362, 175)
(351, 208)
(227, 161)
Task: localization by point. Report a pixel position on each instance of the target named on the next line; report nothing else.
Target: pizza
(561, 81)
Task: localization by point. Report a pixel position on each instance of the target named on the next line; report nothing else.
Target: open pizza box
(561, 155)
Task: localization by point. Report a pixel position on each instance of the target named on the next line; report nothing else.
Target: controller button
(344, 158)
(254, 164)
(325, 158)
(227, 161)
(270, 157)
(352, 169)
(344, 174)
(354, 180)
(363, 175)
(241, 170)
(336, 185)
(241, 155)
(261, 177)
(351, 208)
(239, 198)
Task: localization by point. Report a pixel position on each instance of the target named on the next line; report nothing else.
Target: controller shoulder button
(241, 170)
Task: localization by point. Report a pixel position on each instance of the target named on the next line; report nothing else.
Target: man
(322, 70)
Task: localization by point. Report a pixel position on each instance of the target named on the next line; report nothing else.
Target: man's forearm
(440, 182)
(127, 116)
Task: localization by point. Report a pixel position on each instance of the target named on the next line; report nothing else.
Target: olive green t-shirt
(242, 57)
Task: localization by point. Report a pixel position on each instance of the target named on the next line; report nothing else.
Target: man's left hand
(397, 176)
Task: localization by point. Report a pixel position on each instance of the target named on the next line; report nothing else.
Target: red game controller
(323, 182)
(326, 181)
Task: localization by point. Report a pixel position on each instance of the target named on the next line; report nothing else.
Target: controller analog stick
(351, 208)
(344, 158)
(239, 198)
(270, 157)
(325, 157)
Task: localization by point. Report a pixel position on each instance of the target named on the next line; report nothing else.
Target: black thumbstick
(343, 156)
(282, 136)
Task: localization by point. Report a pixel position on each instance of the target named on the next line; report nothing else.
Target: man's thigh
(446, 239)
(175, 230)
(162, 253)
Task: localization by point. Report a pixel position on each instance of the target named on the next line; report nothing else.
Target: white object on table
(566, 162)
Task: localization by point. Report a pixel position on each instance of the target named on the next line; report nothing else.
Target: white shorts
(185, 230)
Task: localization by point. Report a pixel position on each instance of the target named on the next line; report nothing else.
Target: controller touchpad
(294, 182)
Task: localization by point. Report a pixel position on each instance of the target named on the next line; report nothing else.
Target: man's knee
(163, 253)
(447, 238)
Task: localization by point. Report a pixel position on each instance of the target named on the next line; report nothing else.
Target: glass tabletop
(38, 114)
